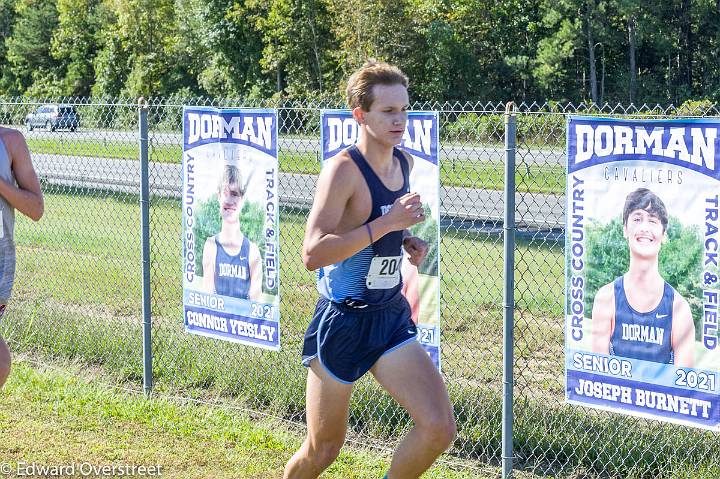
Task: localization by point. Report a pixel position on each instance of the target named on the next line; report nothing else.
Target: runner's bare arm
(323, 243)
(26, 197)
(683, 333)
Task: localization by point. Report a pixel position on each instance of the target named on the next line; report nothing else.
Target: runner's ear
(359, 115)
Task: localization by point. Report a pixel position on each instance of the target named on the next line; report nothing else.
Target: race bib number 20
(384, 272)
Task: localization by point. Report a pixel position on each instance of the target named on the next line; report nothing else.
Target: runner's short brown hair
(361, 83)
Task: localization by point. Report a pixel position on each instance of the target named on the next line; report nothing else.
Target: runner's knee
(324, 453)
(439, 429)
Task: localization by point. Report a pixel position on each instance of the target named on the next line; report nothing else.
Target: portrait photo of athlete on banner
(231, 263)
(230, 225)
(639, 315)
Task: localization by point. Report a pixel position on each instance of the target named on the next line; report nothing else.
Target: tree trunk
(602, 79)
(632, 49)
(591, 57)
(316, 53)
(685, 47)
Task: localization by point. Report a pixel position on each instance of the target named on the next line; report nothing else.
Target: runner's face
(387, 117)
(644, 232)
(231, 201)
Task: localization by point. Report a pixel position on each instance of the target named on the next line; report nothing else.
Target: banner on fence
(421, 285)
(642, 287)
(230, 225)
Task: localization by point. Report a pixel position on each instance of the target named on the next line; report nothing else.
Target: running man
(639, 315)
(19, 189)
(355, 235)
(232, 265)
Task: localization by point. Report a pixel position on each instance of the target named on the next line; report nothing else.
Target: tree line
(616, 51)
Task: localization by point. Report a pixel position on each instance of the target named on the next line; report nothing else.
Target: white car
(53, 117)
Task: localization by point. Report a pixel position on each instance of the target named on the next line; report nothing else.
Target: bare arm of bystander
(26, 196)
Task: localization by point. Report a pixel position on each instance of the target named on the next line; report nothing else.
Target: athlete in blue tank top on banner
(19, 189)
(639, 315)
(232, 264)
(355, 235)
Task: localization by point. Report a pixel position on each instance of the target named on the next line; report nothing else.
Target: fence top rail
(698, 109)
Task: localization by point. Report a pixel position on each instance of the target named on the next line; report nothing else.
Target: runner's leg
(411, 378)
(327, 405)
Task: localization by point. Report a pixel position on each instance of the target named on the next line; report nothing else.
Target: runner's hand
(416, 248)
(405, 212)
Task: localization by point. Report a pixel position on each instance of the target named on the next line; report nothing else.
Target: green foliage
(555, 51)
(297, 46)
(231, 48)
(98, 116)
(73, 44)
(680, 261)
(208, 223)
(696, 108)
(490, 128)
(437, 80)
(110, 68)
(370, 29)
(28, 49)
(7, 20)
(475, 128)
(533, 51)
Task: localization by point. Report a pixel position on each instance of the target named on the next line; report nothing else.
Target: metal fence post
(145, 241)
(508, 291)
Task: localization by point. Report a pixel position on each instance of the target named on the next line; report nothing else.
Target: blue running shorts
(348, 338)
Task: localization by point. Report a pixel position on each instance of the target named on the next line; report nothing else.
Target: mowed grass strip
(101, 148)
(54, 417)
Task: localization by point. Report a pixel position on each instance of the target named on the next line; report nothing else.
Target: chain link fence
(78, 291)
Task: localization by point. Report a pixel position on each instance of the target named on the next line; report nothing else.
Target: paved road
(457, 204)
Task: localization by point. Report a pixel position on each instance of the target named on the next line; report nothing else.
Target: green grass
(78, 297)
(535, 178)
(532, 178)
(62, 417)
(108, 148)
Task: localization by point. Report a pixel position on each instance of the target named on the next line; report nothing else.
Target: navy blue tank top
(232, 273)
(350, 278)
(645, 336)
